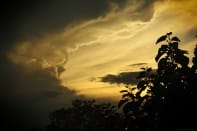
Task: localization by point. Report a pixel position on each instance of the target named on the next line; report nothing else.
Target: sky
(53, 52)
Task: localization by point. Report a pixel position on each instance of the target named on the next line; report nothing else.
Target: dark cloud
(26, 19)
(28, 95)
(30, 19)
(122, 78)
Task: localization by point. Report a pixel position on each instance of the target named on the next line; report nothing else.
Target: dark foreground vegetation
(164, 98)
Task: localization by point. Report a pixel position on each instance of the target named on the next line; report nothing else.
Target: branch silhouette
(169, 98)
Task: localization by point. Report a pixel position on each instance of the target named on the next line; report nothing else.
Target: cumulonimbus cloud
(35, 37)
(54, 28)
(28, 96)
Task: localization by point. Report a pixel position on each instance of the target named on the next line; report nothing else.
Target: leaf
(170, 33)
(162, 38)
(133, 88)
(182, 59)
(138, 94)
(162, 50)
(183, 51)
(128, 107)
(122, 91)
(121, 102)
(149, 91)
(125, 95)
(142, 85)
(174, 45)
(149, 69)
(162, 63)
(175, 39)
(131, 95)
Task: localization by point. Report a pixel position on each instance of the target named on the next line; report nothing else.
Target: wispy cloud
(57, 46)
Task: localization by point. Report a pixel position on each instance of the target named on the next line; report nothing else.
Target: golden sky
(85, 51)
(55, 51)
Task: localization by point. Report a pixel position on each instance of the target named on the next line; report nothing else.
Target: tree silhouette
(193, 89)
(135, 101)
(164, 98)
(172, 83)
(86, 116)
(170, 92)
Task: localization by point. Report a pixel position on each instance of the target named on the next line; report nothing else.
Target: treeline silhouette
(164, 98)
(86, 116)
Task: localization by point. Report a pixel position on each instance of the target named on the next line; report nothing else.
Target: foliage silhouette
(164, 98)
(86, 116)
(170, 92)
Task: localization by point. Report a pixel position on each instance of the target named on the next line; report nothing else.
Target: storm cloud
(34, 38)
(30, 19)
(27, 96)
